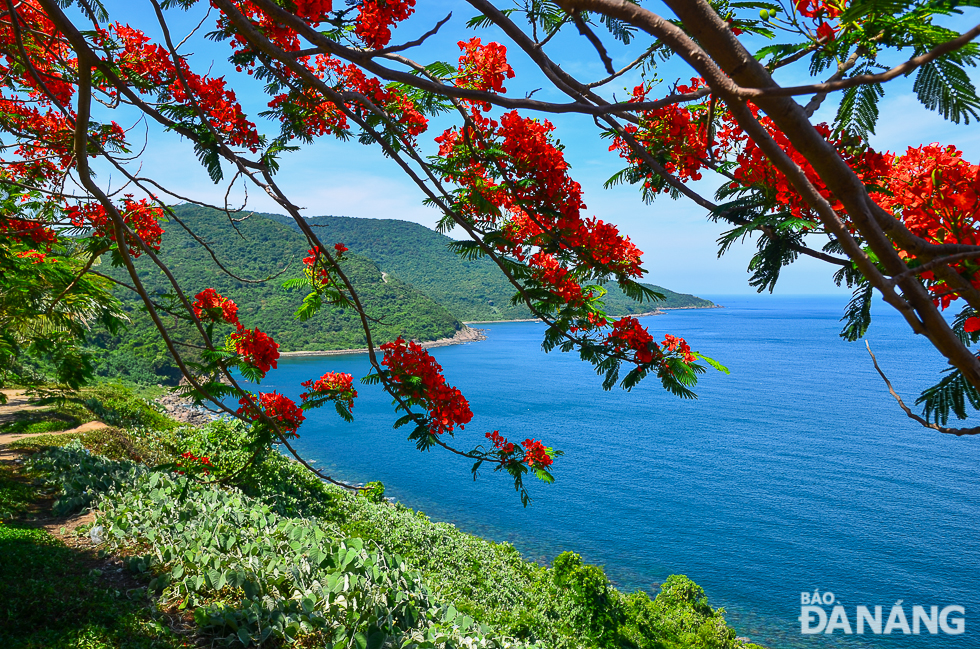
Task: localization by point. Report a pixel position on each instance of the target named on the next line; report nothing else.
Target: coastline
(469, 334)
(658, 311)
(465, 335)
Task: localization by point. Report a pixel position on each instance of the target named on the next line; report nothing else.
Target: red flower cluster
(194, 463)
(629, 335)
(313, 10)
(143, 62)
(418, 377)
(819, 8)
(332, 384)
(376, 18)
(275, 406)
(818, 11)
(210, 304)
(555, 278)
(35, 256)
(483, 67)
(26, 230)
(679, 345)
(141, 216)
(536, 455)
(936, 194)
(500, 443)
(320, 117)
(754, 168)
(340, 248)
(256, 348)
(315, 269)
(543, 202)
(37, 113)
(682, 131)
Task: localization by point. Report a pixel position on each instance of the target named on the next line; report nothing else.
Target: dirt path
(17, 404)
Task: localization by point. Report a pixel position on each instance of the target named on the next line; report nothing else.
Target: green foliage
(953, 391)
(858, 110)
(944, 86)
(857, 315)
(470, 286)
(120, 406)
(52, 598)
(15, 495)
(255, 249)
(269, 561)
(46, 307)
(33, 423)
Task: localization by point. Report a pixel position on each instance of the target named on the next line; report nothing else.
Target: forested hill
(264, 248)
(472, 290)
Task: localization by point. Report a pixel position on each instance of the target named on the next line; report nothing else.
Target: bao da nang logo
(822, 613)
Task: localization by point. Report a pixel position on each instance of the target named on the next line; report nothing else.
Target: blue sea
(797, 472)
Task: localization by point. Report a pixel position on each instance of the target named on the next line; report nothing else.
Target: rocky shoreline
(464, 335)
(658, 311)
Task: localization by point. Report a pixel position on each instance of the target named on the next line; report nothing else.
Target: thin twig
(959, 432)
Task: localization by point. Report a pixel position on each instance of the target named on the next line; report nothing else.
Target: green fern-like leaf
(951, 394)
(944, 86)
(858, 111)
(857, 315)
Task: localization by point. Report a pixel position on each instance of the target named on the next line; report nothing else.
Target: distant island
(408, 278)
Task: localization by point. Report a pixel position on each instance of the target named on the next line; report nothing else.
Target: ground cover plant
(286, 557)
(52, 598)
(902, 224)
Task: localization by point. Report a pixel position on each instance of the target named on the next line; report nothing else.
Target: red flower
(536, 456)
(209, 303)
(446, 405)
(35, 256)
(275, 406)
(256, 348)
(376, 18)
(340, 248)
(334, 385)
(679, 345)
(500, 443)
(196, 464)
(141, 216)
(629, 335)
(825, 32)
(25, 229)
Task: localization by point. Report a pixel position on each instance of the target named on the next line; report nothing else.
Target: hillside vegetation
(258, 248)
(280, 558)
(410, 282)
(472, 290)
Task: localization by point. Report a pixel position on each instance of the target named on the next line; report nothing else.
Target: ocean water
(796, 472)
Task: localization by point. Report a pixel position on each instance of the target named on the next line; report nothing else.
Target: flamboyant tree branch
(727, 67)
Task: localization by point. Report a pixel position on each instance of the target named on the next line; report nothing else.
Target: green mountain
(472, 290)
(407, 278)
(258, 248)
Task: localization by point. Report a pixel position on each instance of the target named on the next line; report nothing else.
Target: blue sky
(351, 179)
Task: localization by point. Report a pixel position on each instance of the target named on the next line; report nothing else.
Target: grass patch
(47, 421)
(137, 446)
(52, 598)
(15, 495)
